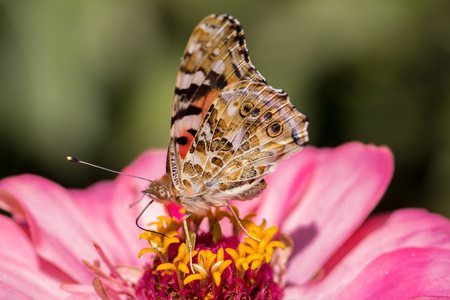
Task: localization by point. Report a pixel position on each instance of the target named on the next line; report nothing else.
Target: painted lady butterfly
(229, 128)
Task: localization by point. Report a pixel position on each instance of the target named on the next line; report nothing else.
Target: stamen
(179, 263)
(209, 263)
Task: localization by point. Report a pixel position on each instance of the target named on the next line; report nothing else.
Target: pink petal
(21, 275)
(93, 202)
(379, 235)
(15, 246)
(58, 230)
(404, 274)
(150, 165)
(79, 291)
(347, 181)
(387, 232)
(19, 282)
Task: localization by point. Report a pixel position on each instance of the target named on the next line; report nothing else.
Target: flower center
(224, 267)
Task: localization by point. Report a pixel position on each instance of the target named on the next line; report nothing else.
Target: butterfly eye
(162, 193)
(274, 129)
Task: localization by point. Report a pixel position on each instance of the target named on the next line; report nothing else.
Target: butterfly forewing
(216, 56)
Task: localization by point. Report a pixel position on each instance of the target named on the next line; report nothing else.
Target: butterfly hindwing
(247, 129)
(216, 56)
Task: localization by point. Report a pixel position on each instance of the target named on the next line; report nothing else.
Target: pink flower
(320, 197)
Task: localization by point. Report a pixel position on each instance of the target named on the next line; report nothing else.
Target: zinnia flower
(82, 244)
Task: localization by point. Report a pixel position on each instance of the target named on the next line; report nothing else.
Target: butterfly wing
(246, 131)
(216, 56)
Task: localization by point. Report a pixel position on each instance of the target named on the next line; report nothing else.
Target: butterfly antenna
(76, 160)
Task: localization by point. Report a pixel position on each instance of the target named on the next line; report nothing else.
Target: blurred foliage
(94, 79)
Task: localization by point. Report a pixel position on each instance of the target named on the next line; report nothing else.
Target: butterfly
(229, 128)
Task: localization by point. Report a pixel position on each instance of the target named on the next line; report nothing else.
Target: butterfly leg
(188, 239)
(240, 224)
(170, 213)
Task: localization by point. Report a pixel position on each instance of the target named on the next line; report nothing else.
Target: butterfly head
(159, 190)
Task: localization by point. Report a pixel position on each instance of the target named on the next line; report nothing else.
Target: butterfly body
(229, 128)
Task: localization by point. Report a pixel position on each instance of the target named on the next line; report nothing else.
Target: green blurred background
(94, 79)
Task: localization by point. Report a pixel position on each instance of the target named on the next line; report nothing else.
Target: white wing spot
(207, 28)
(199, 77)
(184, 81)
(219, 67)
(194, 47)
(216, 51)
